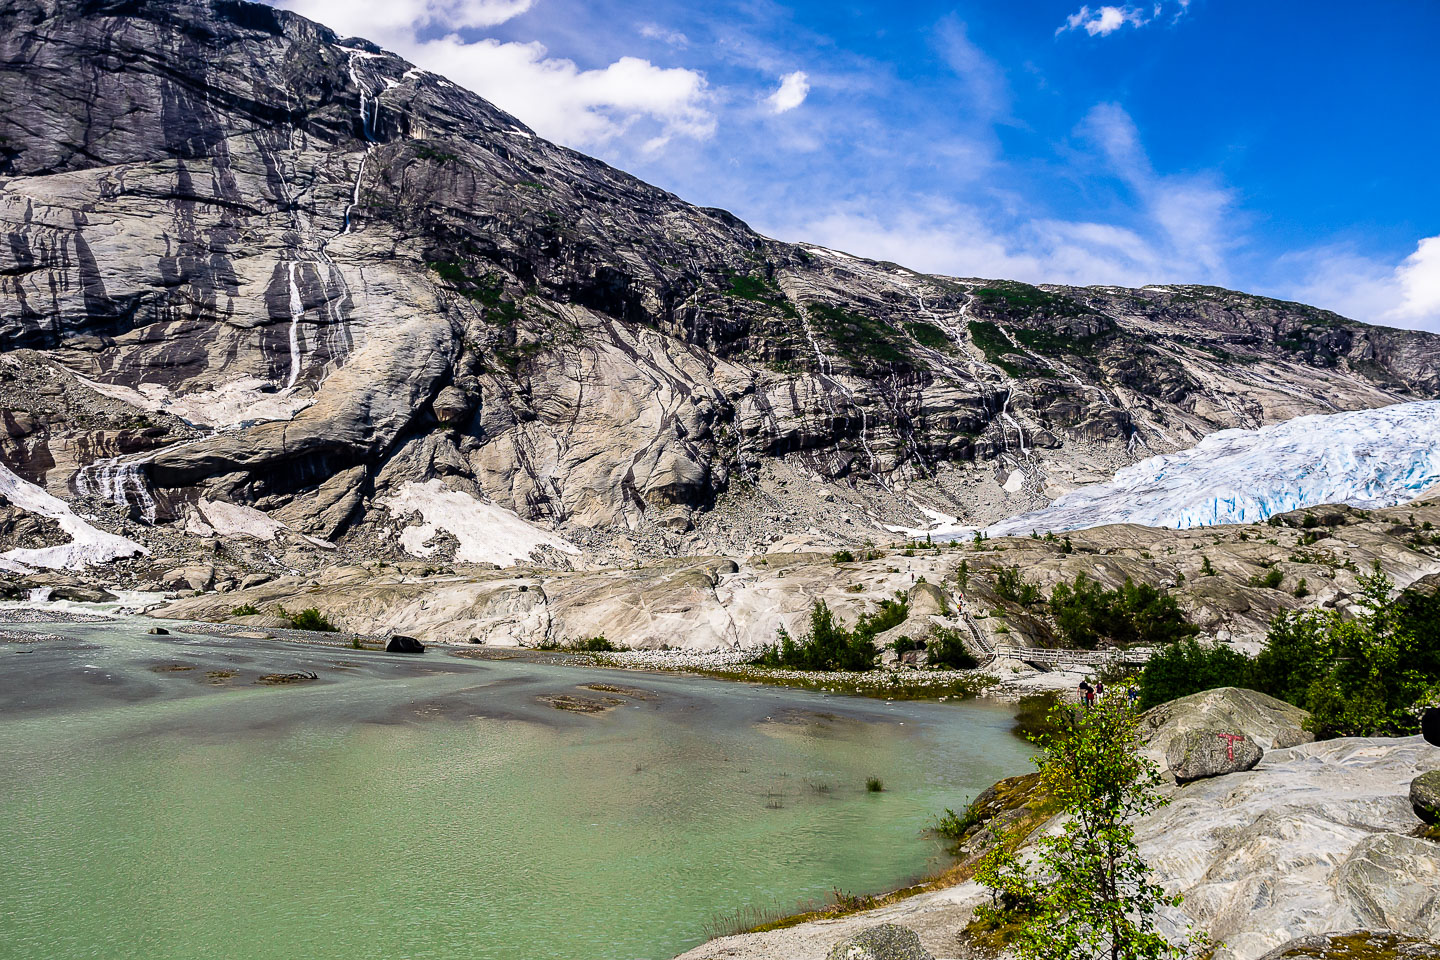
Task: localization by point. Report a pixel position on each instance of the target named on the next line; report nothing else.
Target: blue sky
(1282, 148)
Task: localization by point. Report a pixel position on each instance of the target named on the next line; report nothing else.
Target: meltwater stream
(160, 803)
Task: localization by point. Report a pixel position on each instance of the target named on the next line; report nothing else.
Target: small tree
(1088, 894)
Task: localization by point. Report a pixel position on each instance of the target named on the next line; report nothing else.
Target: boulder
(1273, 724)
(196, 576)
(452, 407)
(1198, 754)
(1430, 726)
(82, 594)
(888, 941)
(926, 600)
(400, 643)
(158, 632)
(1425, 796)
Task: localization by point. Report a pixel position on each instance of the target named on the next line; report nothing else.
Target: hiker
(1134, 693)
(1099, 688)
(1087, 696)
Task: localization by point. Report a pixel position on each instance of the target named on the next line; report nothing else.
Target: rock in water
(1197, 754)
(403, 644)
(1425, 796)
(158, 632)
(888, 941)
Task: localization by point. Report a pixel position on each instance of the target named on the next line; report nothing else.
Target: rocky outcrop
(887, 941)
(251, 262)
(1197, 754)
(1356, 945)
(1313, 841)
(1267, 722)
(1425, 796)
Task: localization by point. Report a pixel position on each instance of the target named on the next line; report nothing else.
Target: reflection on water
(438, 808)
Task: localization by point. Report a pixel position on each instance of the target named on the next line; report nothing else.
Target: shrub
(1189, 667)
(842, 556)
(245, 610)
(825, 646)
(1087, 613)
(1206, 568)
(309, 619)
(1010, 584)
(874, 784)
(1270, 579)
(1302, 589)
(594, 645)
(945, 649)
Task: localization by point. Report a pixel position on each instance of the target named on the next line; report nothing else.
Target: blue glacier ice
(1365, 458)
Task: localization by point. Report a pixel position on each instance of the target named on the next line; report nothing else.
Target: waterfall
(119, 483)
(297, 310)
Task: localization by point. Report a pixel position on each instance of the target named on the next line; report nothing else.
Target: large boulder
(400, 643)
(1430, 726)
(1198, 754)
(1272, 724)
(888, 941)
(1425, 796)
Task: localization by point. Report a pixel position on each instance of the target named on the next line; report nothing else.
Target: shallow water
(434, 807)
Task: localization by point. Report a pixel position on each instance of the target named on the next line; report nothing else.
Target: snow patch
(87, 545)
(487, 533)
(1364, 458)
(233, 520)
(227, 407)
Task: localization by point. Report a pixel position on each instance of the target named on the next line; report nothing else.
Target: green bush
(825, 646)
(1010, 584)
(1270, 579)
(842, 556)
(1363, 676)
(874, 784)
(1189, 667)
(245, 610)
(1087, 613)
(945, 649)
(594, 645)
(309, 619)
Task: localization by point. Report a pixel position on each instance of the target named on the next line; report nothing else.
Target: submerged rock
(888, 941)
(1198, 754)
(1425, 796)
(403, 644)
(1356, 945)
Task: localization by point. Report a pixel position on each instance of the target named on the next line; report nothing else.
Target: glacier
(1364, 458)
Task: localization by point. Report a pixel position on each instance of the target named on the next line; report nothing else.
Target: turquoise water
(435, 808)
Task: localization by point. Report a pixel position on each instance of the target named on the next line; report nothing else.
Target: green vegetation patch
(1054, 344)
(997, 348)
(928, 335)
(1022, 299)
(859, 338)
(487, 290)
(744, 286)
(1087, 613)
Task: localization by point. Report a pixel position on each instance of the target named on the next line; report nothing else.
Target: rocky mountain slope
(253, 264)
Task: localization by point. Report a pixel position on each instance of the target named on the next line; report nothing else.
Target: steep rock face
(320, 273)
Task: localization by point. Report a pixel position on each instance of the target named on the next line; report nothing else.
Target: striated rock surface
(250, 262)
(1198, 754)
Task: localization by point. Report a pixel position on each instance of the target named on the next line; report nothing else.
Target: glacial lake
(439, 807)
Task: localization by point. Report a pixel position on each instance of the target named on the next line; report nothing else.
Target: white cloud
(562, 102)
(653, 31)
(385, 21)
(1105, 20)
(794, 88)
(1364, 288)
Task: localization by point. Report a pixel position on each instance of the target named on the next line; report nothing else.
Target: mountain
(258, 277)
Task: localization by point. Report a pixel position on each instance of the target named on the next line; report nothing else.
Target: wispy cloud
(1105, 20)
(794, 88)
(989, 93)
